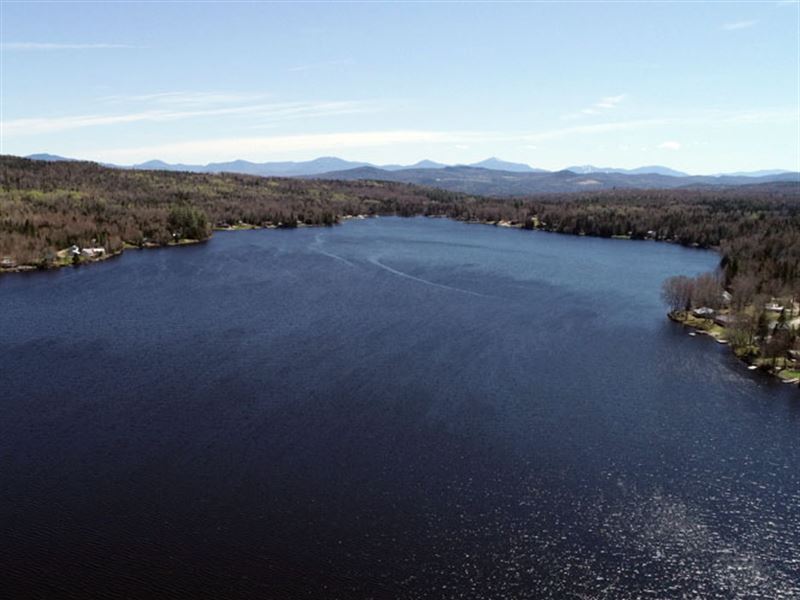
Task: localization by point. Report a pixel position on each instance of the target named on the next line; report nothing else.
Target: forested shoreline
(60, 213)
(46, 207)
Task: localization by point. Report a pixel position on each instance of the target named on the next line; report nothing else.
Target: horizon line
(366, 163)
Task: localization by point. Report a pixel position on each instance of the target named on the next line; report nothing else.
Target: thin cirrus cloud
(736, 25)
(258, 112)
(187, 98)
(601, 106)
(254, 147)
(276, 146)
(670, 145)
(57, 46)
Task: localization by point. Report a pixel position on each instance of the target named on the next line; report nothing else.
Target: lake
(391, 408)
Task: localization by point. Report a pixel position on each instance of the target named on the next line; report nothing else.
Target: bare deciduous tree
(677, 292)
(707, 290)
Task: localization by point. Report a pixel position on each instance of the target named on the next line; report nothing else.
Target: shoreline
(717, 333)
(697, 325)
(241, 226)
(61, 262)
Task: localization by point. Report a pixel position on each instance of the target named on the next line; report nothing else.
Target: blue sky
(702, 87)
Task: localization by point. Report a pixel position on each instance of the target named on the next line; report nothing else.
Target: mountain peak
(48, 157)
(502, 165)
(426, 164)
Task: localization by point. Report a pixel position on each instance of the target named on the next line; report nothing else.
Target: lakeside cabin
(93, 252)
(704, 312)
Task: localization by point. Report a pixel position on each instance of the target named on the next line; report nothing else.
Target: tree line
(46, 206)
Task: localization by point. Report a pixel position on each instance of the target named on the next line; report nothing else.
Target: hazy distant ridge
(493, 176)
(489, 182)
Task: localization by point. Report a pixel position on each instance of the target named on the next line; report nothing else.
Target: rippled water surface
(391, 409)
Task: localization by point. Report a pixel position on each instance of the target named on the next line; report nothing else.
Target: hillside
(46, 205)
(491, 182)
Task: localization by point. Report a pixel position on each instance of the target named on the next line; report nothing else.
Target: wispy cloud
(257, 147)
(57, 46)
(188, 98)
(258, 113)
(601, 106)
(736, 25)
(610, 101)
(276, 146)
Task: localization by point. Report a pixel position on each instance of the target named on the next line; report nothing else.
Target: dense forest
(48, 206)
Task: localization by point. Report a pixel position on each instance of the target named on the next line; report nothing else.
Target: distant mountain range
(273, 169)
(325, 164)
(490, 182)
(650, 170)
(659, 170)
(492, 177)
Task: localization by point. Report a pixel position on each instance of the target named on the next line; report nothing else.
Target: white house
(93, 252)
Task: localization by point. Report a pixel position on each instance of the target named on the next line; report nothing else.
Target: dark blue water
(390, 409)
